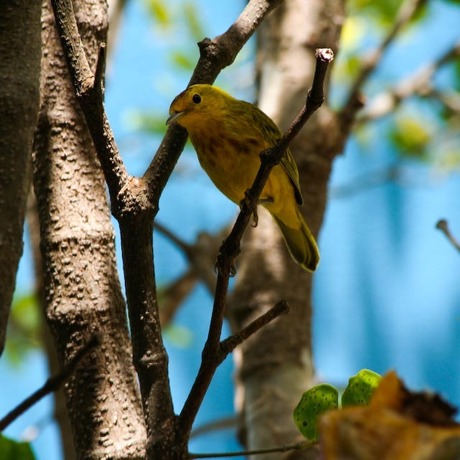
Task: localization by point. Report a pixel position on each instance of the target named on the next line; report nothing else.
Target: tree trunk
(19, 102)
(82, 291)
(276, 366)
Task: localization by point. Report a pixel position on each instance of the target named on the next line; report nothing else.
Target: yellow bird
(228, 136)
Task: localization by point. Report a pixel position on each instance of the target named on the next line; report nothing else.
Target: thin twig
(212, 352)
(443, 225)
(407, 11)
(215, 425)
(230, 343)
(287, 448)
(52, 384)
(200, 254)
(175, 239)
(421, 83)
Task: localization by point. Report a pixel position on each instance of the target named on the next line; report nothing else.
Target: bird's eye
(196, 98)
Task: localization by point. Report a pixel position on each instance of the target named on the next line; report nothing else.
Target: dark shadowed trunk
(19, 99)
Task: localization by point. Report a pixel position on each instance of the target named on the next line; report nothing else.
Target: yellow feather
(228, 136)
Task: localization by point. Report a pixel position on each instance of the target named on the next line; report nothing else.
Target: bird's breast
(231, 162)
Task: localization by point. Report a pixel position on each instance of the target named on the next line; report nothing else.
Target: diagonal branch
(443, 225)
(230, 343)
(52, 384)
(200, 254)
(89, 91)
(230, 248)
(406, 12)
(421, 83)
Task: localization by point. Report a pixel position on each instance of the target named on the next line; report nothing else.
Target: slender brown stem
(229, 344)
(212, 352)
(443, 225)
(52, 384)
(419, 83)
(406, 12)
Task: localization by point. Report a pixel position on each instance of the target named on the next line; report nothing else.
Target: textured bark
(60, 412)
(19, 102)
(276, 365)
(82, 291)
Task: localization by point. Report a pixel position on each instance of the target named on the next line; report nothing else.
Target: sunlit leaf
(148, 122)
(194, 23)
(26, 311)
(385, 11)
(360, 388)
(353, 31)
(160, 12)
(313, 404)
(12, 450)
(456, 79)
(185, 61)
(411, 136)
(179, 336)
(23, 328)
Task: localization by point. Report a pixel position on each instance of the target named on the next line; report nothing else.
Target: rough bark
(61, 416)
(19, 101)
(82, 291)
(275, 366)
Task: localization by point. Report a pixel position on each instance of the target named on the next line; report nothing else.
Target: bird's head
(196, 104)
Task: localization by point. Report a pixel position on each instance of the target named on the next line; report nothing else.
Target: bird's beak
(174, 117)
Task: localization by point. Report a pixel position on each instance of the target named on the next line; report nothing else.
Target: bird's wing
(272, 134)
(290, 167)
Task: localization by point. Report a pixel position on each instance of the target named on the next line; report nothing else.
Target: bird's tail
(301, 243)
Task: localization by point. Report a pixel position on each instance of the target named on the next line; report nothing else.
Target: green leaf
(159, 11)
(360, 388)
(179, 336)
(23, 328)
(456, 79)
(194, 24)
(150, 123)
(313, 404)
(411, 136)
(185, 61)
(12, 450)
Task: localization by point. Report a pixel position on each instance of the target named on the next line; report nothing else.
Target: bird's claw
(255, 218)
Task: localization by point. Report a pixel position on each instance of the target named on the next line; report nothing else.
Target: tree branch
(230, 343)
(354, 102)
(52, 384)
(89, 92)
(212, 352)
(443, 225)
(200, 254)
(421, 83)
